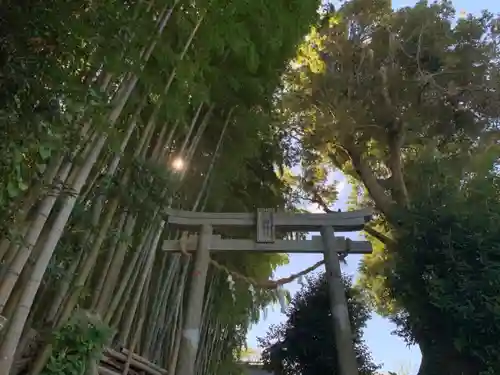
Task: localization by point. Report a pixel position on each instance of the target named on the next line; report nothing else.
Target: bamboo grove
(111, 112)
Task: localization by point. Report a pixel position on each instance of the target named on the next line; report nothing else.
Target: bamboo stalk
(88, 264)
(159, 339)
(147, 269)
(143, 312)
(23, 253)
(8, 347)
(132, 347)
(158, 316)
(172, 350)
(129, 276)
(216, 154)
(107, 262)
(174, 355)
(131, 282)
(115, 267)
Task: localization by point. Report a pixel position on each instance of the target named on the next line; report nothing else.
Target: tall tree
(305, 343)
(385, 96)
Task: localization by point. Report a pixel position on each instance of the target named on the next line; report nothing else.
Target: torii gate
(266, 221)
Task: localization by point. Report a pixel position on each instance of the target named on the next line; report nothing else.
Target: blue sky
(386, 348)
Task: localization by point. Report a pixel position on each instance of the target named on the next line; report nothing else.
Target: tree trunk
(439, 359)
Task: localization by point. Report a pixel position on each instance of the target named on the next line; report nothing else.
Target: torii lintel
(289, 221)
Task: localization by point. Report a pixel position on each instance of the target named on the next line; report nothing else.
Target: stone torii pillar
(266, 222)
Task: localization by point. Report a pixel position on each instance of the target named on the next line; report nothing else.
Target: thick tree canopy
(439, 279)
(406, 103)
(305, 343)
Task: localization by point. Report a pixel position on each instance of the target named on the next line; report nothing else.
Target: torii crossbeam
(314, 245)
(266, 222)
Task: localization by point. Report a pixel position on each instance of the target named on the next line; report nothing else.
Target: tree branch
(378, 235)
(316, 198)
(383, 202)
(395, 140)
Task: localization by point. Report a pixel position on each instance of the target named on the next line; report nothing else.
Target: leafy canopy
(406, 103)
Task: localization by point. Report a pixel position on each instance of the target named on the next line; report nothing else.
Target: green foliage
(305, 343)
(76, 345)
(405, 102)
(44, 56)
(392, 83)
(444, 269)
(61, 64)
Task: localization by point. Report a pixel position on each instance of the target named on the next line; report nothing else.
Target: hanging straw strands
(266, 284)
